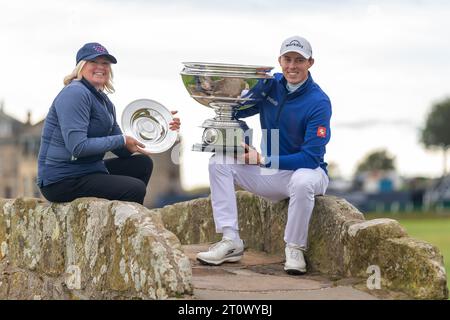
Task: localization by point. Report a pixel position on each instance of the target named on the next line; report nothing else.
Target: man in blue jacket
(295, 117)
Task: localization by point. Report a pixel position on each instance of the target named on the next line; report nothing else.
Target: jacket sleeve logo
(322, 132)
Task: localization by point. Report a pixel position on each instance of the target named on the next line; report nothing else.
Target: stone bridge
(97, 249)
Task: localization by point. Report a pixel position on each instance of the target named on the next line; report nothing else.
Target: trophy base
(217, 148)
(224, 140)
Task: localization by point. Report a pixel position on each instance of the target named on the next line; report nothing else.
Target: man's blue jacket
(79, 129)
(298, 122)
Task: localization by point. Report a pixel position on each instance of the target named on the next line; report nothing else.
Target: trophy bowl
(225, 88)
(148, 122)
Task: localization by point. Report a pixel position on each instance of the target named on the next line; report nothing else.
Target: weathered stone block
(88, 249)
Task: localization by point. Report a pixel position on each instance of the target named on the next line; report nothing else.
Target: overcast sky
(382, 63)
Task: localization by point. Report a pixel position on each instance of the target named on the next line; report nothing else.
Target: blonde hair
(76, 74)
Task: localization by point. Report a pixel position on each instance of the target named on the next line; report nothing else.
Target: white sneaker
(295, 261)
(227, 250)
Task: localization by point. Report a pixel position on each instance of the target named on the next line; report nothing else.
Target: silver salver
(148, 122)
(225, 88)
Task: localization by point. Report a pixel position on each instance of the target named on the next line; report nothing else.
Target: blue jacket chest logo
(272, 101)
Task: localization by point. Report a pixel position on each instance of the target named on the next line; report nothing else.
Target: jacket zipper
(280, 108)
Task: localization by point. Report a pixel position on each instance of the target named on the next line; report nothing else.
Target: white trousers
(300, 186)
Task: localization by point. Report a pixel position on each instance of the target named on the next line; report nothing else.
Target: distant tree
(377, 160)
(436, 132)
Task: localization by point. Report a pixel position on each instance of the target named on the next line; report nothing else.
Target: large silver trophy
(226, 88)
(148, 122)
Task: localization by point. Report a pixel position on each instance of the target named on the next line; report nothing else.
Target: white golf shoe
(295, 261)
(226, 250)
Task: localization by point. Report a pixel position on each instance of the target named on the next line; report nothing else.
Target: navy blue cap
(92, 50)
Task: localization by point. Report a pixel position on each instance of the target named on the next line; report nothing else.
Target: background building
(10, 153)
(29, 141)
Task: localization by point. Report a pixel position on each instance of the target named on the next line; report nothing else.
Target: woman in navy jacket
(80, 128)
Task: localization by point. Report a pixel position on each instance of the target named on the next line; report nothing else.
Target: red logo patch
(322, 132)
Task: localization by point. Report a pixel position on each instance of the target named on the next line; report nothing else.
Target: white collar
(292, 87)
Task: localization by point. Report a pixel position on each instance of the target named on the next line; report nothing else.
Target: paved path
(261, 276)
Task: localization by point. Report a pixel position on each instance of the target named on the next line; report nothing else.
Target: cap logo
(294, 43)
(99, 49)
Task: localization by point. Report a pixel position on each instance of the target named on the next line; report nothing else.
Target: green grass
(430, 228)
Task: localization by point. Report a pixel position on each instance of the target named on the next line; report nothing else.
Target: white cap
(296, 44)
